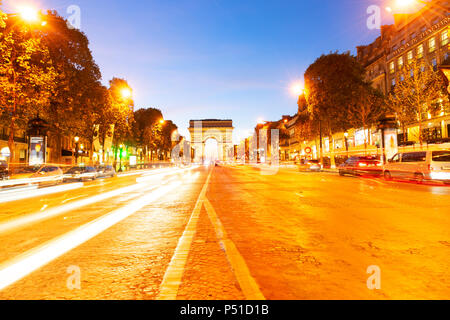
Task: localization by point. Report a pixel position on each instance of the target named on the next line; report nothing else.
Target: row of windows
(413, 35)
(433, 63)
(419, 52)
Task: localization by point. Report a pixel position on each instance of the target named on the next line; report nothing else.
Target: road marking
(174, 273)
(248, 285)
(23, 265)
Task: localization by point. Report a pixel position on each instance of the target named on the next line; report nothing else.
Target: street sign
(308, 150)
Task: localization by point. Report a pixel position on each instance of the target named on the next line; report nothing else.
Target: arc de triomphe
(220, 130)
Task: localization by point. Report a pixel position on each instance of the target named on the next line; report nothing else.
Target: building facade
(421, 35)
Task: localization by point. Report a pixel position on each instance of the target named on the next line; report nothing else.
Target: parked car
(3, 170)
(359, 166)
(42, 175)
(310, 165)
(106, 172)
(419, 166)
(80, 173)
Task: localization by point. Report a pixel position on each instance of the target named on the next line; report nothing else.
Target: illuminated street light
(297, 89)
(77, 148)
(408, 4)
(405, 3)
(29, 14)
(126, 93)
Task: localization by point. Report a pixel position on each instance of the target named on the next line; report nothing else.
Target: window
(393, 83)
(396, 158)
(392, 67)
(432, 44)
(441, 156)
(410, 56)
(411, 73)
(434, 63)
(413, 35)
(420, 51)
(444, 38)
(400, 62)
(403, 42)
(414, 157)
(431, 134)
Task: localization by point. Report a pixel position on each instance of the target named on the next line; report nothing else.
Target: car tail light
(362, 164)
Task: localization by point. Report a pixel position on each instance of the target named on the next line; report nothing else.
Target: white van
(419, 166)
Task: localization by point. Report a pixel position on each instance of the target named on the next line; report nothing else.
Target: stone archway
(219, 130)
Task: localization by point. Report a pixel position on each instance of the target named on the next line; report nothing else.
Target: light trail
(33, 218)
(25, 264)
(34, 192)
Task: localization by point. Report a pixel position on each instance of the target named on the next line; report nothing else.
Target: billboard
(38, 150)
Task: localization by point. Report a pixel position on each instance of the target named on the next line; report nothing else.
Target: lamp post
(77, 148)
(120, 157)
(346, 142)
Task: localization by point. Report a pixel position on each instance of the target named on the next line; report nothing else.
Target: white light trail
(34, 192)
(11, 225)
(23, 265)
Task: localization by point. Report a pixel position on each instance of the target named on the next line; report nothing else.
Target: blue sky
(231, 59)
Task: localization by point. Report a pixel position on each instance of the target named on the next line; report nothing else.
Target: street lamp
(297, 89)
(346, 142)
(126, 93)
(409, 3)
(29, 14)
(120, 157)
(77, 148)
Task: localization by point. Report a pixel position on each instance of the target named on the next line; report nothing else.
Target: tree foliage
(333, 83)
(414, 96)
(27, 74)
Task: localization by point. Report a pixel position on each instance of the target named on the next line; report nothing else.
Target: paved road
(227, 233)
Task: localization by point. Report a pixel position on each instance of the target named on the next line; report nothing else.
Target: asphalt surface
(232, 232)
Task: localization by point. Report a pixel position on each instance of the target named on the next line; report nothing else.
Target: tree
(167, 133)
(27, 76)
(122, 110)
(333, 82)
(74, 102)
(146, 129)
(305, 127)
(415, 95)
(367, 109)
